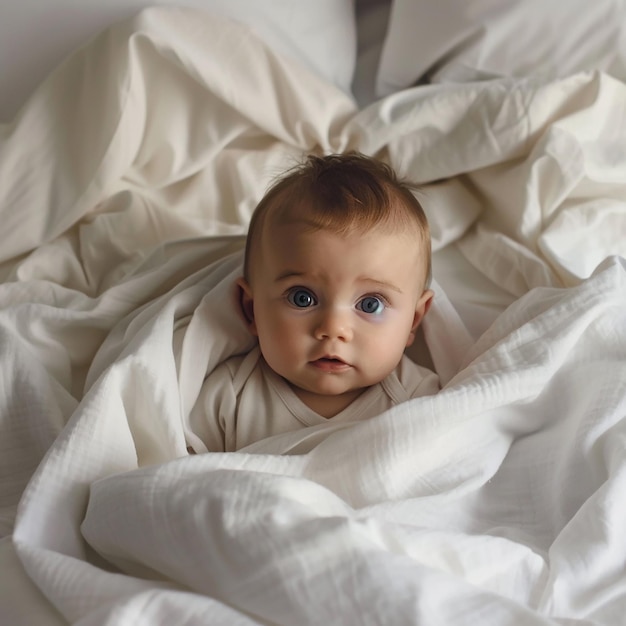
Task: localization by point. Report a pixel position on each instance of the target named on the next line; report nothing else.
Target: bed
(135, 143)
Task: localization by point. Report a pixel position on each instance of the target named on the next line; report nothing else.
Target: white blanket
(125, 187)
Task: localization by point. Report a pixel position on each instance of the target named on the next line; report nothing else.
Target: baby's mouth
(330, 364)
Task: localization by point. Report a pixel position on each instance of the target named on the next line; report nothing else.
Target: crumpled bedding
(126, 184)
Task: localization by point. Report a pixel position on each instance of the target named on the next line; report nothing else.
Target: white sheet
(35, 37)
(496, 502)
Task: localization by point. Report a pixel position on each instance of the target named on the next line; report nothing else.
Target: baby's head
(336, 276)
(340, 193)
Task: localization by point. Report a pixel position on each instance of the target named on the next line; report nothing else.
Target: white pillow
(469, 40)
(320, 34)
(36, 36)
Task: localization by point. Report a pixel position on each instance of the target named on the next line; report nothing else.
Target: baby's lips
(330, 364)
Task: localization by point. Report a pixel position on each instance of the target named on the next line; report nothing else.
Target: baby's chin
(331, 385)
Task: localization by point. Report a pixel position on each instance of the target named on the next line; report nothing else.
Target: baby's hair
(343, 193)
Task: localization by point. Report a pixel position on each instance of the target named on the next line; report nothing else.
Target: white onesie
(243, 401)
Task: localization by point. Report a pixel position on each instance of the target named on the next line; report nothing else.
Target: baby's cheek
(285, 329)
(388, 341)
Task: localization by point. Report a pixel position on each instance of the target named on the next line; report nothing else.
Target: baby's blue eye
(371, 305)
(301, 298)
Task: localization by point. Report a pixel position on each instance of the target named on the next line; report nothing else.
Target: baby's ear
(245, 302)
(423, 304)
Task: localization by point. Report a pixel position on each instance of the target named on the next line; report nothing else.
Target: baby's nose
(333, 323)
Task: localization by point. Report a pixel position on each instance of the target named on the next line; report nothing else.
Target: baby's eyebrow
(372, 282)
(380, 283)
(289, 274)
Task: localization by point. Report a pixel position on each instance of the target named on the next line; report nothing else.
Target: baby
(334, 286)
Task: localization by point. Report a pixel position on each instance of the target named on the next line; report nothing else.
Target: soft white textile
(36, 36)
(125, 187)
(451, 41)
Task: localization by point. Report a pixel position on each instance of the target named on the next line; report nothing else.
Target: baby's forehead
(301, 246)
(274, 227)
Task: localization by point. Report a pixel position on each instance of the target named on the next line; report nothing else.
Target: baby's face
(333, 314)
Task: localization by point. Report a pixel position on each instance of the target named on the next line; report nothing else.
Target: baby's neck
(326, 405)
